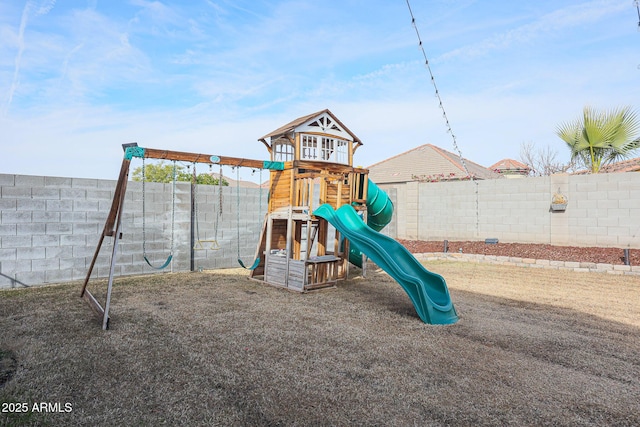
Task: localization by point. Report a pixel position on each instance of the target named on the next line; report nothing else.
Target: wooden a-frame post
(111, 228)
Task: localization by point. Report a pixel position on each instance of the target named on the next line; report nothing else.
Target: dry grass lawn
(532, 347)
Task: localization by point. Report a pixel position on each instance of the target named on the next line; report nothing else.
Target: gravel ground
(529, 250)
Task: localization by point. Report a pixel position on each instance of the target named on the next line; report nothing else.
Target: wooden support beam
(297, 240)
(111, 228)
(327, 167)
(269, 234)
(93, 303)
(322, 237)
(292, 187)
(289, 243)
(311, 194)
(308, 237)
(154, 153)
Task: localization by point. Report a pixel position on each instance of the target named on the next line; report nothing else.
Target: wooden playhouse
(297, 250)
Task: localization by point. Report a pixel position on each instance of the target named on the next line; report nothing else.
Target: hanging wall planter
(559, 202)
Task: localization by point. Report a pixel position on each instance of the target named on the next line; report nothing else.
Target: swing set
(113, 223)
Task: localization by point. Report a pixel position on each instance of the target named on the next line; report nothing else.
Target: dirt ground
(529, 250)
(532, 347)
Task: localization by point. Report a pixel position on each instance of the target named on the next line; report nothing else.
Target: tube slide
(379, 214)
(428, 291)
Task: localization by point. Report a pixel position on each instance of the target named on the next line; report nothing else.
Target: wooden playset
(297, 249)
(311, 163)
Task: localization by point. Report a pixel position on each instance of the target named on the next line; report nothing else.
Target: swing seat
(255, 265)
(199, 245)
(163, 266)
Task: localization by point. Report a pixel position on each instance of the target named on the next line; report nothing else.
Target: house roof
(291, 126)
(426, 162)
(510, 165)
(629, 165)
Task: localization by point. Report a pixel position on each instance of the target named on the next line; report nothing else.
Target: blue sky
(79, 78)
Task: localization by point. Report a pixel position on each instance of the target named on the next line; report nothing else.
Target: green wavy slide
(428, 291)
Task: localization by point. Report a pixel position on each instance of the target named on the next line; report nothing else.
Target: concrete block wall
(233, 233)
(47, 225)
(603, 210)
(391, 229)
(515, 210)
(606, 210)
(50, 227)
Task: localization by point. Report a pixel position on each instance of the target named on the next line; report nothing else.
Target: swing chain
(198, 245)
(219, 200)
(238, 207)
(173, 216)
(194, 182)
(144, 225)
(173, 208)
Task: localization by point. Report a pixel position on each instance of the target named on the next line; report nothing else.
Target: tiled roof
(630, 165)
(510, 165)
(426, 162)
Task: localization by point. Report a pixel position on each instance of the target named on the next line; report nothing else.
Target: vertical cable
(446, 118)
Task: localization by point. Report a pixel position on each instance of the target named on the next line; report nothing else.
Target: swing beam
(114, 217)
(182, 156)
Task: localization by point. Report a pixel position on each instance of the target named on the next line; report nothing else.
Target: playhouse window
(283, 151)
(309, 147)
(335, 150)
(329, 149)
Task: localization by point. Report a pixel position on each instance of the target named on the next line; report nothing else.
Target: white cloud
(214, 77)
(550, 25)
(30, 8)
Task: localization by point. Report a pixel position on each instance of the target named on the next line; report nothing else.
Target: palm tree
(601, 137)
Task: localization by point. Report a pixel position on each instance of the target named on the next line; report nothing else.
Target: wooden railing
(312, 188)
